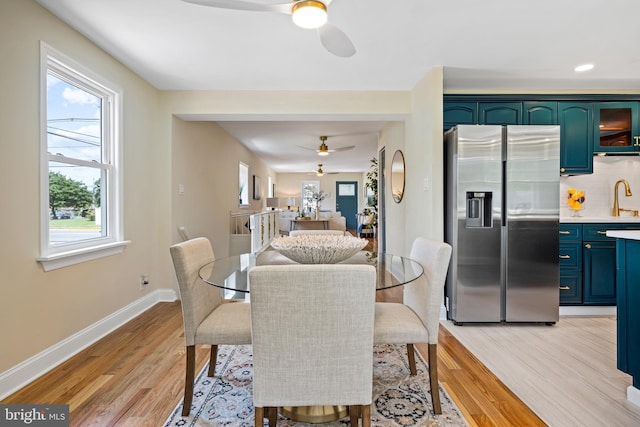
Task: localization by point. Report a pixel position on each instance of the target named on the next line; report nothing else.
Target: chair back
(312, 334)
(425, 296)
(198, 298)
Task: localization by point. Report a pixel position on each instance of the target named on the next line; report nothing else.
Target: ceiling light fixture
(319, 172)
(583, 67)
(323, 150)
(309, 14)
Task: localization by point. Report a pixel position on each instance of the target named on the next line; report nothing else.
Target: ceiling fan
(321, 172)
(308, 14)
(323, 149)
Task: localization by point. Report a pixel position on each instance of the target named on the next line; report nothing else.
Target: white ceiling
(482, 45)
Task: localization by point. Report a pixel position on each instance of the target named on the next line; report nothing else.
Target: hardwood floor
(135, 376)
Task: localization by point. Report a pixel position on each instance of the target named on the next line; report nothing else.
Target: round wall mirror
(397, 176)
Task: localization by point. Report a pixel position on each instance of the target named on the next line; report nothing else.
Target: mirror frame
(397, 175)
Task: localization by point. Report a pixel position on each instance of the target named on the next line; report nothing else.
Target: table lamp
(273, 202)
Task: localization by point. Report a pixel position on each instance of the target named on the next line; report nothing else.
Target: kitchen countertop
(625, 234)
(599, 219)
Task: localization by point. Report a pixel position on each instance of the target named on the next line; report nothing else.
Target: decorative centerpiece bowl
(318, 248)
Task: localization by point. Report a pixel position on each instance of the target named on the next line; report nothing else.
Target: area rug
(398, 398)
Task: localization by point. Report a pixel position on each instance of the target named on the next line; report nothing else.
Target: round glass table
(231, 274)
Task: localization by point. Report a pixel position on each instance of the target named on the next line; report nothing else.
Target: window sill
(66, 259)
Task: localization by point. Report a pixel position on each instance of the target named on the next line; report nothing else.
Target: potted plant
(372, 185)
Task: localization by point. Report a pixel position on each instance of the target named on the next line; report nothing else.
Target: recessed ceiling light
(583, 67)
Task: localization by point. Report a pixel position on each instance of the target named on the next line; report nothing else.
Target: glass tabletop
(231, 272)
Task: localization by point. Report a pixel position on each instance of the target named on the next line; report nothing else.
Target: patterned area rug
(398, 398)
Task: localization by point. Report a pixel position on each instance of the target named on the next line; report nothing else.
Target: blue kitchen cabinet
(500, 113)
(628, 301)
(570, 261)
(459, 113)
(576, 137)
(616, 127)
(599, 272)
(539, 113)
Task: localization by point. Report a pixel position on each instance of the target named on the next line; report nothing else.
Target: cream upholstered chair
(206, 319)
(312, 333)
(418, 318)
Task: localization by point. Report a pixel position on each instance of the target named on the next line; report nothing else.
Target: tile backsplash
(598, 186)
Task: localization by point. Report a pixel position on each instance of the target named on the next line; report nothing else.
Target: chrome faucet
(627, 193)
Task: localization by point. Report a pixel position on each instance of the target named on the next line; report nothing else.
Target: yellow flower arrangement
(576, 199)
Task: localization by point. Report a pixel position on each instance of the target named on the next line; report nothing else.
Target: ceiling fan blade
(350, 147)
(307, 148)
(245, 5)
(336, 41)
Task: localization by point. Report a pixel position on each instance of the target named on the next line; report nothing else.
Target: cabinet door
(459, 113)
(576, 137)
(500, 113)
(616, 127)
(570, 287)
(540, 113)
(599, 269)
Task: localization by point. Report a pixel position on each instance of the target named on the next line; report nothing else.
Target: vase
(576, 214)
(317, 214)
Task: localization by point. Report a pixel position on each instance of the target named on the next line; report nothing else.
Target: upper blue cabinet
(616, 127)
(539, 113)
(576, 137)
(500, 113)
(459, 113)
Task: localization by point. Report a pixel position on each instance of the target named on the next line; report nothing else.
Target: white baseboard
(34, 367)
(633, 395)
(588, 310)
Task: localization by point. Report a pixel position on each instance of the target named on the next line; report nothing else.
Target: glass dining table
(231, 274)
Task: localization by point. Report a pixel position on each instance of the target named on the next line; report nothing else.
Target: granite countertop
(624, 234)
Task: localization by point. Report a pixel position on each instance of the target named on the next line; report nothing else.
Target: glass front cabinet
(617, 127)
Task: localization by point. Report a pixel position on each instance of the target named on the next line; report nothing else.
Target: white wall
(39, 309)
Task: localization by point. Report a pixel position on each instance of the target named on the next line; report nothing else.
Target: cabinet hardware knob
(565, 256)
(565, 288)
(588, 246)
(601, 232)
(562, 170)
(637, 144)
(565, 232)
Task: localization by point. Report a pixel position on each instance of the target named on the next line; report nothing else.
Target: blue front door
(347, 201)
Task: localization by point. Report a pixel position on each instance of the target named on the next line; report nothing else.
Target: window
(308, 189)
(80, 176)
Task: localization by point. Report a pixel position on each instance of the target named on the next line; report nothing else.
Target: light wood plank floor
(565, 373)
(134, 377)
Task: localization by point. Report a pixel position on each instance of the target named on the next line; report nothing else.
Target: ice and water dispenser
(479, 209)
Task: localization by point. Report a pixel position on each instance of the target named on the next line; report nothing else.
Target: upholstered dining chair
(312, 335)
(417, 319)
(206, 318)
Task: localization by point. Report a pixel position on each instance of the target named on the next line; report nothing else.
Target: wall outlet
(144, 281)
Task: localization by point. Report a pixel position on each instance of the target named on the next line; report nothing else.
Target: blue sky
(73, 128)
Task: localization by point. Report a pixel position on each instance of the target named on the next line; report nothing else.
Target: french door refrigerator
(501, 218)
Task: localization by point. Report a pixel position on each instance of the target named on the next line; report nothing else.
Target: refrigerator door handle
(503, 208)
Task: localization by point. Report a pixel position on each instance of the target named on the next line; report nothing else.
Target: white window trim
(65, 255)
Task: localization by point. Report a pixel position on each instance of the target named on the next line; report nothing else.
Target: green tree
(65, 192)
(96, 193)
(372, 184)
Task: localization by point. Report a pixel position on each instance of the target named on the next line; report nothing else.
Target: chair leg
(212, 360)
(433, 378)
(354, 414)
(366, 415)
(259, 416)
(190, 374)
(272, 414)
(412, 359)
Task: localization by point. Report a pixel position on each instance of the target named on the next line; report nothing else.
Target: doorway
(347, 201)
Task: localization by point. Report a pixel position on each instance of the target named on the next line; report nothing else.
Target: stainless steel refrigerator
(501, 218)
